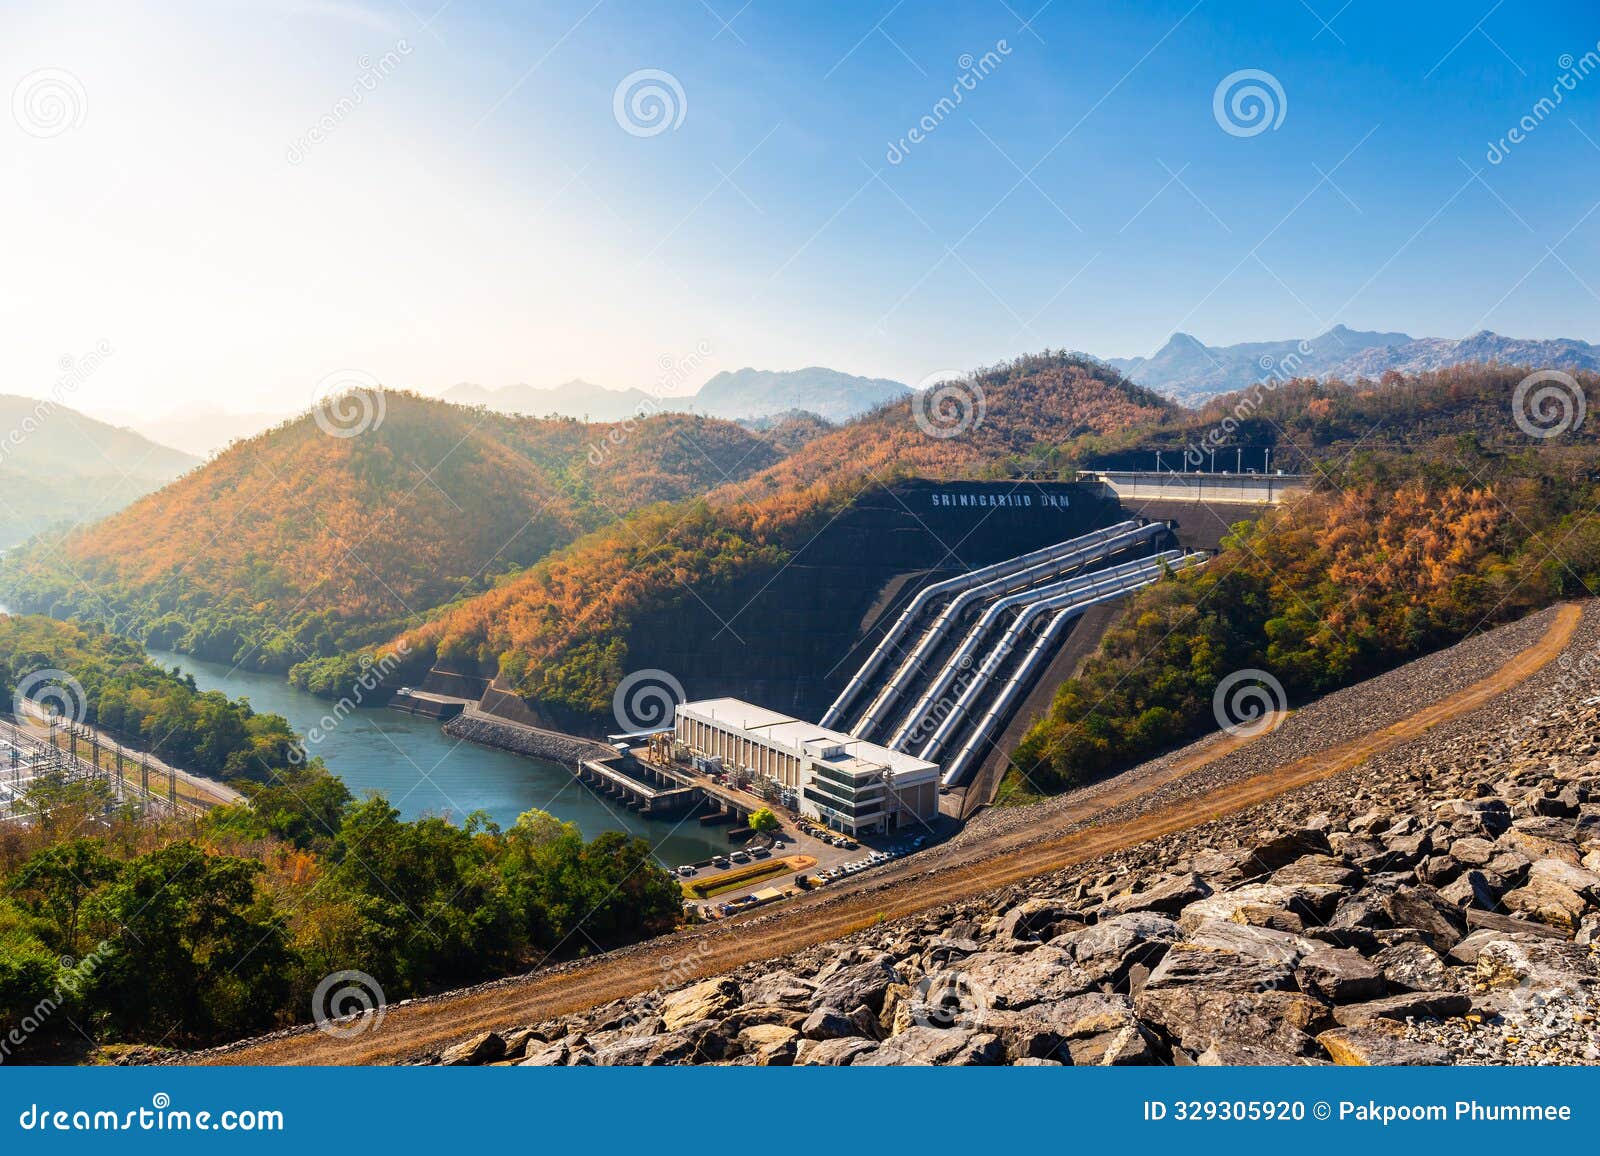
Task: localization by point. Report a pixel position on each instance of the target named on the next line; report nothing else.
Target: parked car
(719, 860)
(760, 852)
(740, 857)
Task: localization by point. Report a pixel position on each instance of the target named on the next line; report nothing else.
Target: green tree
(763, 821)
(55, 883)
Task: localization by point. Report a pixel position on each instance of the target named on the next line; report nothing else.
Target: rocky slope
(1440, 903)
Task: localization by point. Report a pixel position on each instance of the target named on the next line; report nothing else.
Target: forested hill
(306, 541)
(1447, 502)
(557, 630)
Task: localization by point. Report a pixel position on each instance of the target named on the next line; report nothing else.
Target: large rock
(1189, 964)
(1542, 839)
(1534, 965)
(1430, 913)
(1323, 870)
(824, 1024)
(1412, 967)
(1308, 900)
(1474, 888)
(1274, 849)
(1097, 1028)
(1547, 901)
(1431, 1005)
(779, 989)
(1003, 980)
(1166, 896)
(849, 987)
(483, 1048)
(1107, 951)
(548, 1056)
(921, 1046)
(1195, 1018)
(708, 1000)
(1473, 851)
(832, 1053)
(771, 1044)
(1338, 975)
(1256, 942)
(1380, 1043)
(1574, 878)
(1035, 920)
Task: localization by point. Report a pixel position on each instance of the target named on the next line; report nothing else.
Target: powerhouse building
(841, 781)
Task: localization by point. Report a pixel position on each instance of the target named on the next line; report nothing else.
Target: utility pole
(1238, 466)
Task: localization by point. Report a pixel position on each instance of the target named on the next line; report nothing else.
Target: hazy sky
(479, 209)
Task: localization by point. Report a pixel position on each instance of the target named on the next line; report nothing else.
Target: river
(423, 771)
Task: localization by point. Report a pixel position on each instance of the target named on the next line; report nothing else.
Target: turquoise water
(423, 771)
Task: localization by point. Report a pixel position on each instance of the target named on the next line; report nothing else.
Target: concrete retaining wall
(477, 727)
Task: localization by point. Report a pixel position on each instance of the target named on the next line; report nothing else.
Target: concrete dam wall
(791, 640)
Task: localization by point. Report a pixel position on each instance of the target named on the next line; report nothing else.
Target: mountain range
(1189, 371)
(59, 467)
(738, 395)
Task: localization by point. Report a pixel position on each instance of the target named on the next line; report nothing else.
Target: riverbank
(422, 770)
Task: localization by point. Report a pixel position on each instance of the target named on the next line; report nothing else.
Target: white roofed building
(841, 781)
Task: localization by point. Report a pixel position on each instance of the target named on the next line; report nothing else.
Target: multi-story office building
(844, 782)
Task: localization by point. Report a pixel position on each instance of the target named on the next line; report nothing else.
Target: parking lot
(832, 857)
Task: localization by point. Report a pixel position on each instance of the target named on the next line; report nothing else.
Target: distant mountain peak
(739, 394)
(1189, 371)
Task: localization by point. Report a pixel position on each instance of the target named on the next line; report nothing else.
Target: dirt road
(1061, 841)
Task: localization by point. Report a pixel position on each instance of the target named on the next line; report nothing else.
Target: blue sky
(482, 214)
